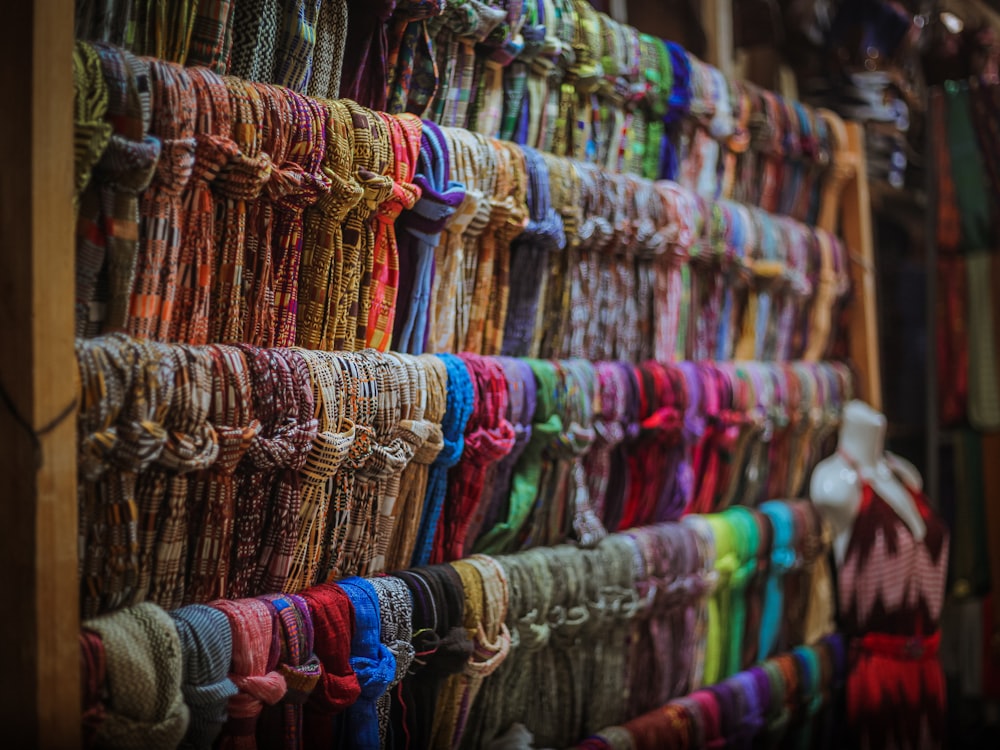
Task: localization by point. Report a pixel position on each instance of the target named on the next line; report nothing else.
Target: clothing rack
(37, 373)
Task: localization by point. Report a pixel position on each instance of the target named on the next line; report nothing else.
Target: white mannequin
(835, 487)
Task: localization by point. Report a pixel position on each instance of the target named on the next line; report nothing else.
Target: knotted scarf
(488, 438)
(321, 274)
(413, 484)
(145, 707)
(256, 652)
(460, 403)
(530, 256)
(281, 725)
(332, 615)
(782, 560)
(238, 187)
(207, 647)
(151, 309)
(372, 662)
(214, 150)
(420, 232)
(212, 498)
(396, 610)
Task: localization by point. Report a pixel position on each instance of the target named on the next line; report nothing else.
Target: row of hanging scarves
(551, 74)
(214, 209)
(786, 701)
(234, 470)
(561, 641)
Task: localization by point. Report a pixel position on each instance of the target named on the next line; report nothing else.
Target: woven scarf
(212, 494)
(321, 269)
(334, 439)
(328, 55)
(488, 438)
(160, 209)
(433, 394)
(256, 651)
(211, 36)
(145, 707)
(414, 432)
(412, 66)
(496, 489)
(609, 426)
(421, 232)
(162, 490)
(295, 185)
(272, 384)
(238, 187)
(118, 441)
(207, 649)
(282, 724)
(296, 44)
(258, 305)
(396, 610)
(255, 38)
(373, 663)
(214, 150)
(376, 483)
(108, 221)
(529, 255)
(460, 403)
(332, 615)
(405, 136)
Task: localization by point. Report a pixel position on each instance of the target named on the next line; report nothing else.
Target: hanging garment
(891, 590)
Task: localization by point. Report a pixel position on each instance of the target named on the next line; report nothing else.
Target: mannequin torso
(836, 484)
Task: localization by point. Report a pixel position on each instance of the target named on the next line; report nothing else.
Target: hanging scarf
(93, 675)
(328, 56)
(211, 36)
(255, 35)
(396, 610)
(145, 707)
(255, 657)
(332, 615)
(372, 662)
(296, 43)
(207, 647)
(174, 106)
(460, 403)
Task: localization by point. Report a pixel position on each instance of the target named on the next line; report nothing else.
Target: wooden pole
(40, 683)
(717, 18)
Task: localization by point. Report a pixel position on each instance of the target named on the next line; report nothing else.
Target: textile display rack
(138, 416)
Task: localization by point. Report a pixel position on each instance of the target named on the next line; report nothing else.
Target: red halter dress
(891, 590)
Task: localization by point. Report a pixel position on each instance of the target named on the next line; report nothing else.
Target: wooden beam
(856, 229)
(40, 686)
(717, 19)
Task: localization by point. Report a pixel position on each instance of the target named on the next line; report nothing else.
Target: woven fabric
(108, 219)
(160, 227)
(282, 725)
(214, 150)
(212, 494)
(90, 105)
(405, 133)
(256, 24)
(396, 611)
(334, 438)
(211, 35)
(333, 622)
(207, 647)
(322, 243)
(459, 405)
(237, 186)
(296, 44)
(419, 232)
(258, 305)
(367, 48)
(433, 393)
(488, 438)
(287, 452)
(410, 56)
(162, 492)
(255, 657)
(294, 186)
(145, 707)
(373, 663)
(93, 675)
(328, 55)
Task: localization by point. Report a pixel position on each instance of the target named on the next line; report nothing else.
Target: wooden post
(40, 686)
(717, 18)
(856, 229)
